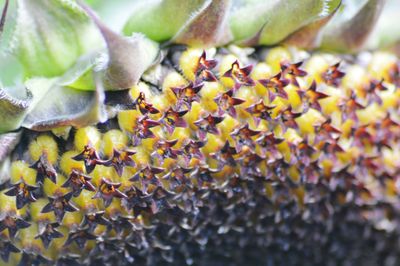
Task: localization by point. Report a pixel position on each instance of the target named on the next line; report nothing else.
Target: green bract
(51, 35)
(62, 48)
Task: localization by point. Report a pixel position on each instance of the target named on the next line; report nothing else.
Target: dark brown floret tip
(241, 76)
(44, 169)
(13, 224)
(90, 158)
(108, 191)
(48, 232)
(23, 194)
(59, 205)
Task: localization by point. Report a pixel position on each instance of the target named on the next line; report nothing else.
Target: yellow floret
(356, 77)
(276, 56)
(261, 71)
(67, 164)
(85, 201)
(172, 80)
(137, 89)
(309, 120)
(20, 171)
(114, 139)
(28, 240)
(127, 120)
(209, 91)
(365, 117)
(188, 62)
(7, 204)
(44, 144)
(315, 66)
(102, 171)
(380, 63)
(55, 190)
(227, 126)
(194, 114)
(72, 220)
(36, 211)
(87, 136)
(225, 65)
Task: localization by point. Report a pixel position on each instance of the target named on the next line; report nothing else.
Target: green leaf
(51, 35)
(208, 27)
(127, 58)
(350, 28)
(310, 36)
(8, 141)
(272, 21)
(80, 75)
(161, 20)
(113, 13)
(14, 104)
(64, 106)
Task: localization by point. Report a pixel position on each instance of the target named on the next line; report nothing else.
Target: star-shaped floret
(137, 200)
(192, 150)
(172, 119)
(44, 169)
(120, 159)
(13, 224)
(6, 247)
(226, 102)
(90, 157)
(47, 232)
(23, 193)
(293, 69)
(143, 129)
(145, 107)
(241, 76)
(108, 191)
(260, 111)
(288, 116)
(91, 220)
(350, 106)
(313, 96)
(303, 151)
(59, 205)
(244, 136)
(249, 164)
(147, 175)
(160, 198)
(225, 155)
(163, 149)
(178, 176)
(326, 131)
(394, 74)
(268, 143)
(278, 83)
(208, 124)
(80, 237)
(203, 69)
(202, 174)
(187, 94)
(235, 186)
(371, 91)
(33, 259)
(79, 181)
(333, 76)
